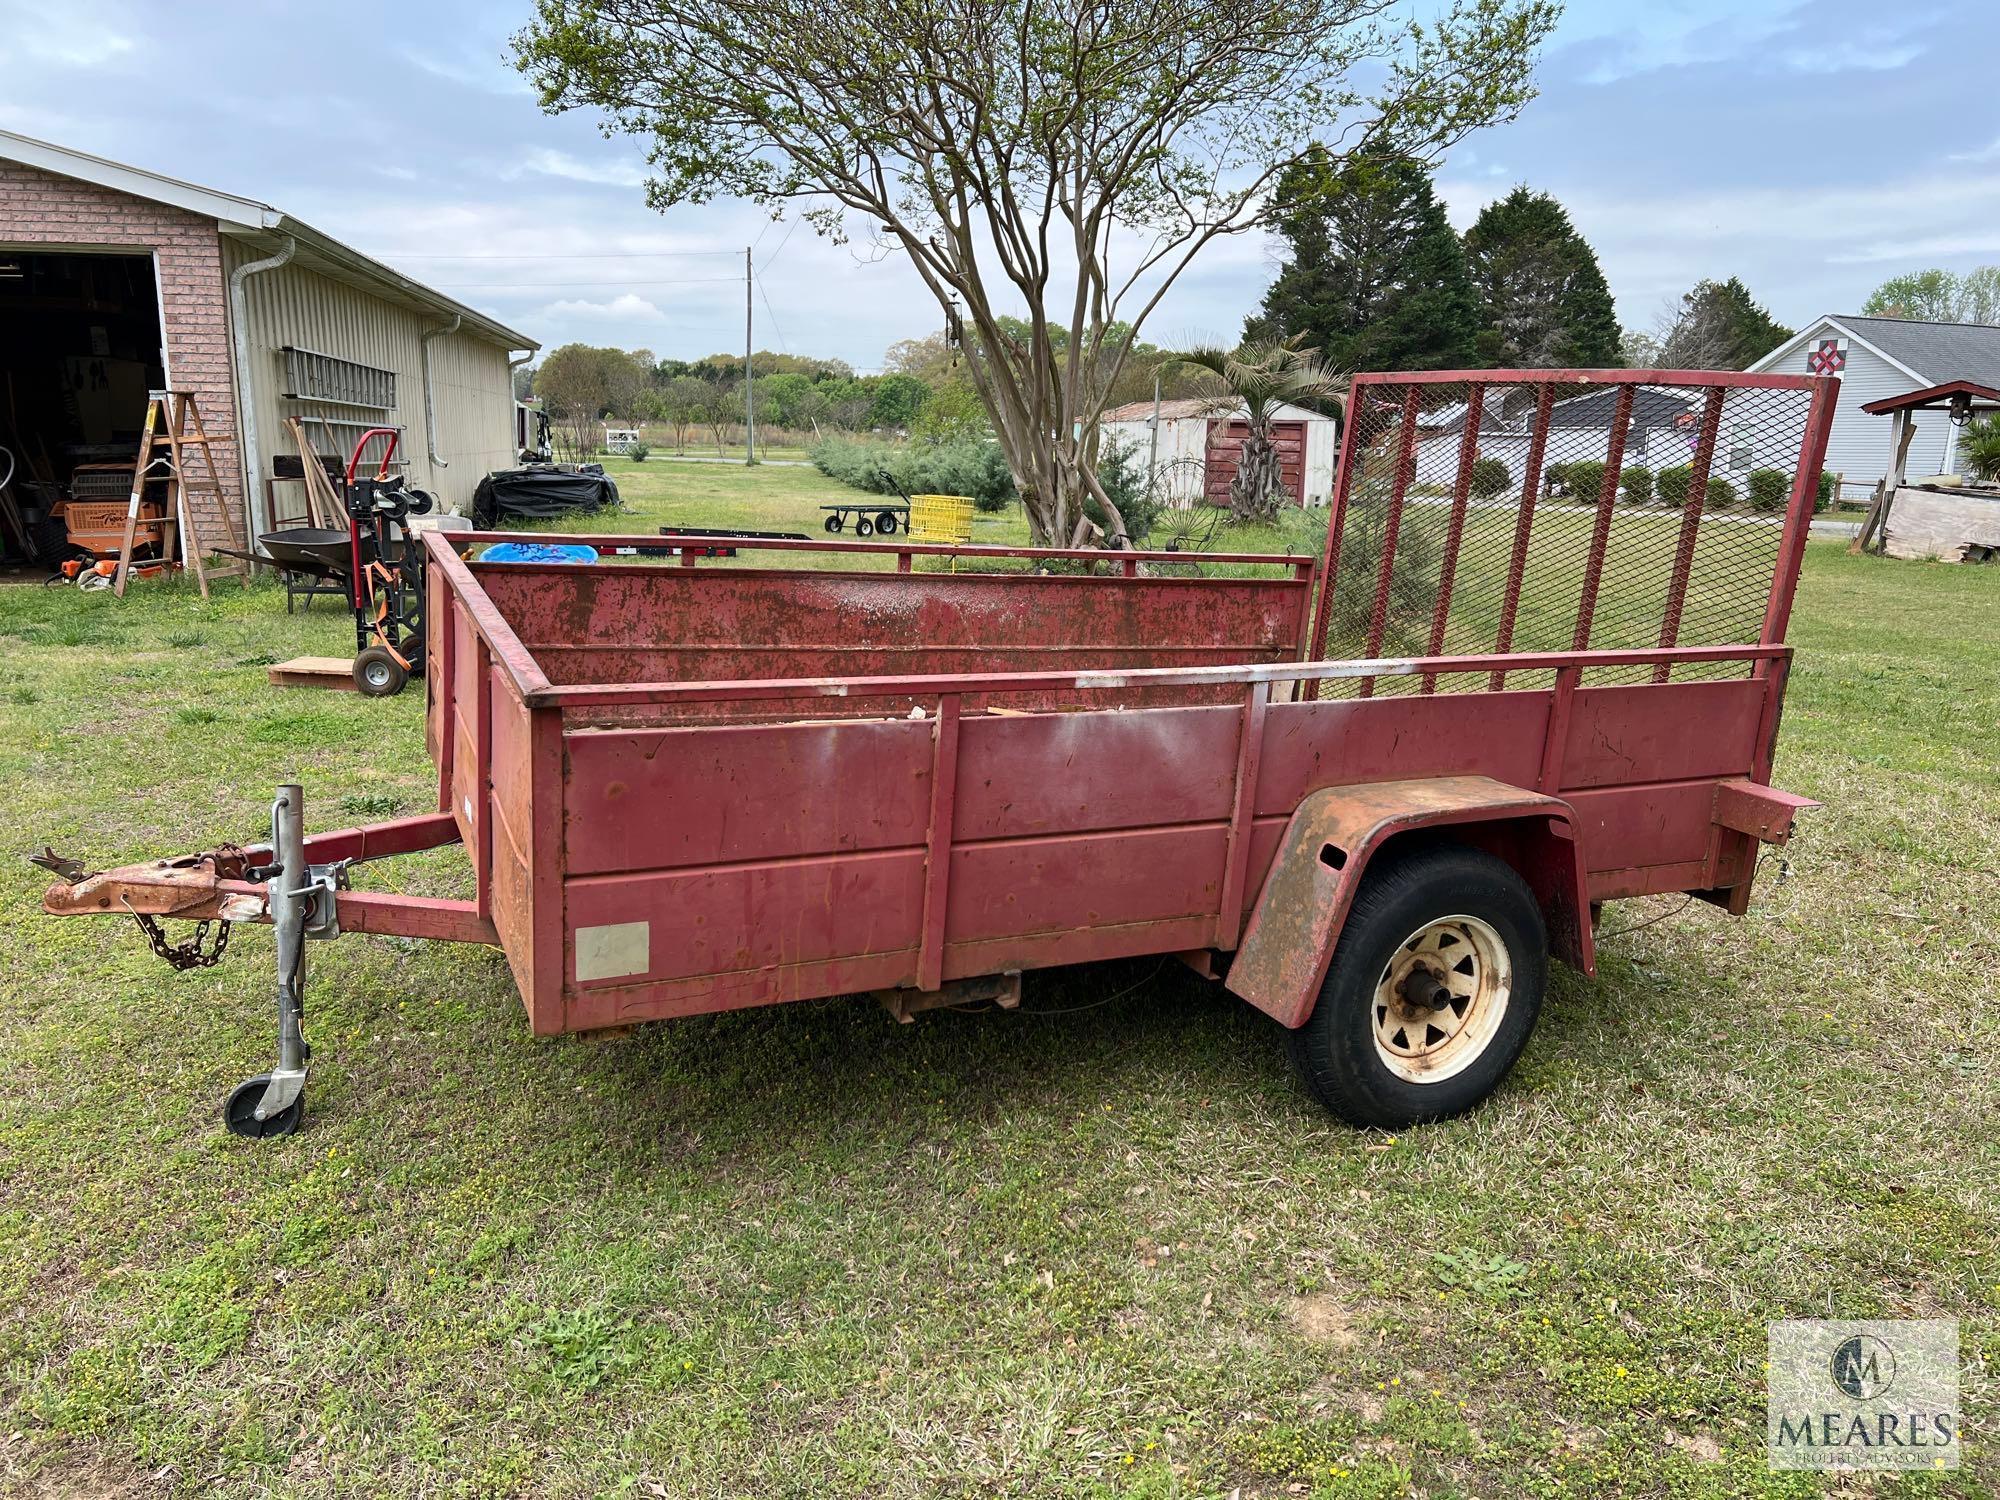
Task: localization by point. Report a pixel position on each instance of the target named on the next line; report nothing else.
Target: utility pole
(1153, 441)
(749, 372)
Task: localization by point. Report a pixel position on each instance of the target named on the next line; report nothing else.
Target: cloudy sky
(1812, 147)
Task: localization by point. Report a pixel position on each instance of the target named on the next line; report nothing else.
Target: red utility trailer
(1371, 793)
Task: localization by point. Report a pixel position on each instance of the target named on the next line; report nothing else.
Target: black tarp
(509, 495)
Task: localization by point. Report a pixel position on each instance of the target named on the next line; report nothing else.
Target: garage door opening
(79, 350)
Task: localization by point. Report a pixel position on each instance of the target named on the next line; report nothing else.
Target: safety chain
(187, 955)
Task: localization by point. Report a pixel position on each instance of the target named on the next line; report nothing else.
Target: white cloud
(1866, 54)
(1983, 153)
(77, 36)
(627, 306)
(1733, 34)
(1795, 247)
(488, 76)
(1925, 248)
(551, 163)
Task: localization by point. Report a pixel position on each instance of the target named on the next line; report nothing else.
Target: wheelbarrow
(317, 553)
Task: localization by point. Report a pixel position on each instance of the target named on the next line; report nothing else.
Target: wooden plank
(313, 671)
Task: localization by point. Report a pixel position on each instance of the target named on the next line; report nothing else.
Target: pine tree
(1543, 299)
(1375, 278)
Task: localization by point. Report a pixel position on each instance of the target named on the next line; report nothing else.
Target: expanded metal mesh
(1476, 515)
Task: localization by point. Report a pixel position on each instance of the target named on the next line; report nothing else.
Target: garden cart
(1373, 793)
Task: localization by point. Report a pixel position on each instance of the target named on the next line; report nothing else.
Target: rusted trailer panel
(699, 787)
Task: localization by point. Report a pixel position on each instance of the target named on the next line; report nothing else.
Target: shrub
(1585, 480)
(1637, 483)
(1490, 477)
(974, 468)
(1413, 576)
(637, 453)
(1829, 482)
(1122, 472)
(1672, 483)
(1769, 489)
(1979, 447)
(1721, 495)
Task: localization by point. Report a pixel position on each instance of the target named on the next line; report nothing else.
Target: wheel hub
(1440, 999)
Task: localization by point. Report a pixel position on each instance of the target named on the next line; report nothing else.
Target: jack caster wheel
(378, 674)
(240, 1113)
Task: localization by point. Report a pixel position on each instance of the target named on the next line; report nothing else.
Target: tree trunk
(1260, 481)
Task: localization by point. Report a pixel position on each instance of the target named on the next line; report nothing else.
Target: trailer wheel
(240, 1113)
(864, 527)
(1433, 989)
(833, 522)
(885, 522)
(378, 674)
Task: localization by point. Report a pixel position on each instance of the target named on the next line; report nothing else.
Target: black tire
(240, 1113)
(864, 527)
(378, 674)
(833, 522)
(1399, 921)
(885, 522)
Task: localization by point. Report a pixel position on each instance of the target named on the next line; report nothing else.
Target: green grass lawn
(1071, 1252)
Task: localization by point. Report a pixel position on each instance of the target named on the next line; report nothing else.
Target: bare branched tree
(1062, 159)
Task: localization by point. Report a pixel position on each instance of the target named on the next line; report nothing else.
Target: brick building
(115, 281)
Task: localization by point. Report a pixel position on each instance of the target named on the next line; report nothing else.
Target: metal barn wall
(1859, 447)
(474, 396)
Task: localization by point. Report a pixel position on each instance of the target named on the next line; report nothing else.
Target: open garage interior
(80, 351)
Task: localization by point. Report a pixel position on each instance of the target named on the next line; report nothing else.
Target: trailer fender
(1336, 831)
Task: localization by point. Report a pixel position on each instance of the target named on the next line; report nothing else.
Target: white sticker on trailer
(613, 951)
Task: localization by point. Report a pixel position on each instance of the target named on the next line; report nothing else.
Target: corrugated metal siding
(1859, 445)
(473, 390)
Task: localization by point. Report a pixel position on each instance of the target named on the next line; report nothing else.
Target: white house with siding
(1881, 357)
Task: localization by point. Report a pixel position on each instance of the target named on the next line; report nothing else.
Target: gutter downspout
(430, 402)
(246, 400)
(514, 363)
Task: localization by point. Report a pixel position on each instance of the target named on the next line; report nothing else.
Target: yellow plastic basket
(941, 518)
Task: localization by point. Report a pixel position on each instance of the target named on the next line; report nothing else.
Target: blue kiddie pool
(538, 552)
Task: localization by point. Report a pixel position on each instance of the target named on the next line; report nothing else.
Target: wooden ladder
(168, 417)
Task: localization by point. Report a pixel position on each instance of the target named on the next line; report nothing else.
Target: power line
(781, 244)
(580, 255)
(773, 312)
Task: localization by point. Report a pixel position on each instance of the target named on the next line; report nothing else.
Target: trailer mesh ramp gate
(1544, 511)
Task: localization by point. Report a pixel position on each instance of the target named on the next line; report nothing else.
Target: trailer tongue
(1374, 811)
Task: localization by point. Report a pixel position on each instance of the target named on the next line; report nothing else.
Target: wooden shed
(1194, 447)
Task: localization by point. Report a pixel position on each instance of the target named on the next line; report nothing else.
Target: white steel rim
(1470, 960)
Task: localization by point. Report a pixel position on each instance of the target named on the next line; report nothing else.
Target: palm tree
(1265, 377)
(1979, 445)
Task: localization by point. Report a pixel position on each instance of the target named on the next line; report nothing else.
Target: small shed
(1194, 447)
